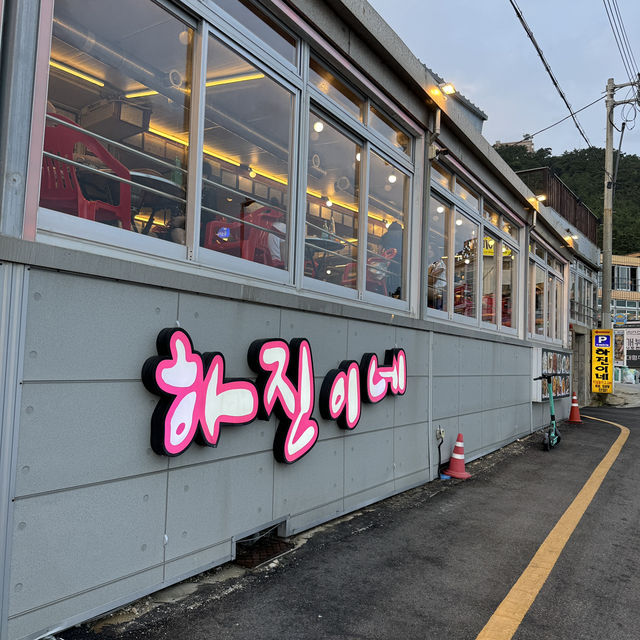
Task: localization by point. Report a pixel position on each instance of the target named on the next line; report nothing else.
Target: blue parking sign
(602, 340)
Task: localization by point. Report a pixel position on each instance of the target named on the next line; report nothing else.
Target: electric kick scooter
(552, 436)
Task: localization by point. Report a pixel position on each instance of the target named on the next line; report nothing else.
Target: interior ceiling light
(392, 178)
(328, 202)
(458, 222)
(143, 93)
(318, 126)
(233, 79)
(440, 209)
(74, 72)
(447, 88)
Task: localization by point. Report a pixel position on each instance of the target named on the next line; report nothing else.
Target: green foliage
(582, 170)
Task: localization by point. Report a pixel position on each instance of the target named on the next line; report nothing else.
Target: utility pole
(608, 197)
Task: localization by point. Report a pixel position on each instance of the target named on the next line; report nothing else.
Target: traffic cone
(456, 463)
(574, 414)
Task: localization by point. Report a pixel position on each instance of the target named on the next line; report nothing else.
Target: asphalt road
(437, 561)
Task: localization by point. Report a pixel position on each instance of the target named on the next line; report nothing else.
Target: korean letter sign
(602, 361)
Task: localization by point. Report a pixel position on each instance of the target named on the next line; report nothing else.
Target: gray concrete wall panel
(413, 406)
(196, 562)
(316, 480)
(209, 503)
(368, 461)
(411, 449)
(445, 397)
(95, 424)
(327, 337)
(416, 346)
(86, 329)
(69, 542)
(446, 355)
(83, 606)
(227, 326)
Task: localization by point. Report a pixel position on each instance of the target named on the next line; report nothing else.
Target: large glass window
(328, 84)
(262, 26)
(437, 255)
(387, 224)
(465, 266)
(332, 216)
(117, 130)
(245, 163)
(470, 198)
(539, 301)
(222, 174)
(490, 248)
(509, 284)
(386, 127)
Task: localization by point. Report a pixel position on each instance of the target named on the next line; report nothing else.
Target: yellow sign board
(602, 361)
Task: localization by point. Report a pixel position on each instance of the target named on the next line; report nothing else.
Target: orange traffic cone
(574, 414)
(456, 463)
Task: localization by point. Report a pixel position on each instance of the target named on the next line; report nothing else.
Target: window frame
(212, 21)
(458, 205)
(547, 260)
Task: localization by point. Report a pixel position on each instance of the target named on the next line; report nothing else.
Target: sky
(481, 47)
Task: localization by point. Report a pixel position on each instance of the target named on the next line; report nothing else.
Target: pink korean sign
(197, 400)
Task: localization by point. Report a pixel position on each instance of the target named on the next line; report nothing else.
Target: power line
(623, 48)
(531, 135)
(556, 84)
(626, 38)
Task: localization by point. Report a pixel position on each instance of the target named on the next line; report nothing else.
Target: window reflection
(383, 125)
(245, 171)
(509, 280)
(540, 328)
(465, 266)
(490, 248)
(332, 217)
(262, 26)
(387, 223)
(334, 88)
(467, 195)
(117, 116)
(437, 258)
(441, 175)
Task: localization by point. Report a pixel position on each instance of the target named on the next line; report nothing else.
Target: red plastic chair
(60, 189)
(255, 246)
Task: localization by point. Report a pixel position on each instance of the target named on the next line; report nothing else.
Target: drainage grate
(252, 553)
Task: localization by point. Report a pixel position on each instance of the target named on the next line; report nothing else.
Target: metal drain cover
(253, 554)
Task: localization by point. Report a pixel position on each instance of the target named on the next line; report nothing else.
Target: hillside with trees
(582, 170)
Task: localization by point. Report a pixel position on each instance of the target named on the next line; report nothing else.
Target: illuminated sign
(197, 400)
(602, 361)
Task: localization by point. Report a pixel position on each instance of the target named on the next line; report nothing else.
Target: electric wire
(528, 136)
(618, 37)
(626, 37)
(556, 84)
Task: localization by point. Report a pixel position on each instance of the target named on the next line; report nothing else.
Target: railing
(562, 199)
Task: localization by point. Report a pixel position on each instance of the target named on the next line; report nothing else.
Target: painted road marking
(511, 611)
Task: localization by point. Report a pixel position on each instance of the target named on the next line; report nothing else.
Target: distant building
(527, 143)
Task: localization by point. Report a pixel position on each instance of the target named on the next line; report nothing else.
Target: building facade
(578, 226)
(251, 259)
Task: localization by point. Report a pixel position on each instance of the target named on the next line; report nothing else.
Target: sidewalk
(624, 395)
(433, 562)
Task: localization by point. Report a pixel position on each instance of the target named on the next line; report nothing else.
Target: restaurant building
(260, 226)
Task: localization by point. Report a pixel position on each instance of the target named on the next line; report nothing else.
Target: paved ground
(437, 561)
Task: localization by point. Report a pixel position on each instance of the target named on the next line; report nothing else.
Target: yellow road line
(511, 611)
